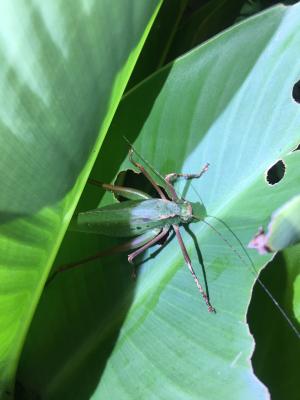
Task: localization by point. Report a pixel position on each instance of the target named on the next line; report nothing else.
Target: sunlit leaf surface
(228, 103)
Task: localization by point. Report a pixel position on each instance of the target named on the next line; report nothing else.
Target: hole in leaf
(297, 148)
(275, 173)
(296, 92)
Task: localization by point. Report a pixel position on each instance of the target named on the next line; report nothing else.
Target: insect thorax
(186, 212)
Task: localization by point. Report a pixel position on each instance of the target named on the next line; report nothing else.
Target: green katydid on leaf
(147, 219)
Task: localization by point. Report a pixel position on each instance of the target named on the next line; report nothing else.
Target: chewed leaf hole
(297, 148)
(275, 173)
(296, 92)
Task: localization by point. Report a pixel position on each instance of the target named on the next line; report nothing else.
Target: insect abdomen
(128, 218)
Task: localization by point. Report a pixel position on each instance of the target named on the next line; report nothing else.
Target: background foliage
(95, 333)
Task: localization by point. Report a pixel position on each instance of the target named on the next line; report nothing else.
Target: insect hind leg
(150, 243)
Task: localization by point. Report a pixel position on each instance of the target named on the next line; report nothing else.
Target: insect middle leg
(146, 246)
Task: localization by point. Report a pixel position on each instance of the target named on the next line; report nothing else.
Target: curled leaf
(283, 229)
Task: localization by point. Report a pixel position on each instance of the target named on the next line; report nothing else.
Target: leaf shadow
(273, 337)
(200, 258)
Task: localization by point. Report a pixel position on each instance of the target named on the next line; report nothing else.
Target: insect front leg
(173, 176)
(189, 264)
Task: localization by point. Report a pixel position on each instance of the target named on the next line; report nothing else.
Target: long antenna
(254, 271)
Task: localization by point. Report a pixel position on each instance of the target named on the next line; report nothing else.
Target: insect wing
(127, 219)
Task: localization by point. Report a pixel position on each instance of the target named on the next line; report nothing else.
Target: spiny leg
(116, 249)
(173, 176)
(142, 169)
(189, 264)
(132, 244)
(151, 242)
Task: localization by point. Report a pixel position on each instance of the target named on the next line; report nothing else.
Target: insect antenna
(254, 271)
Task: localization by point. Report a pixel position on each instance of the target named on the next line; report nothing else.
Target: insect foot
(211, 309)
(209, 306)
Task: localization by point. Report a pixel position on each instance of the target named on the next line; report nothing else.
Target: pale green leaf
(228, 103)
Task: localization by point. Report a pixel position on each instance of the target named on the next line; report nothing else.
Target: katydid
(148, 220)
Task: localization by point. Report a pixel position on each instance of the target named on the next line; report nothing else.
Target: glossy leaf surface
(228, 103)
(63, 71)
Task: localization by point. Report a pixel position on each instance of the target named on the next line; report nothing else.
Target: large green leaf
(274, 339)
(63, 71)
(203, 23)
(228, 103)
(153, 55)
